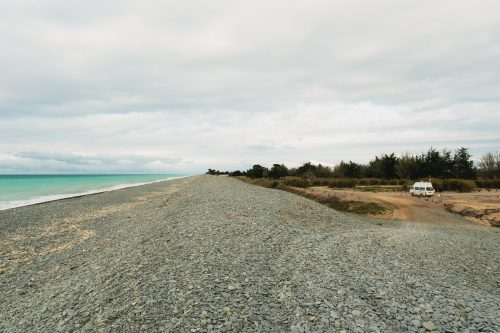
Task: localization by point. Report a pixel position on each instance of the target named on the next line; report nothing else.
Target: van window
(429, 189)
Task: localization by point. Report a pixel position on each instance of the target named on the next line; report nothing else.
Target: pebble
(240, 258)
(429, 325)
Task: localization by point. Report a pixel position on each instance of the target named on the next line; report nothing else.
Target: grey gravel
(213, 254)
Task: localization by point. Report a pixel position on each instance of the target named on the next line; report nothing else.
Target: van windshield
(429, 189)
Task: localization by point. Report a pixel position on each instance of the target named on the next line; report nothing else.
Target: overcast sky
(181, 86)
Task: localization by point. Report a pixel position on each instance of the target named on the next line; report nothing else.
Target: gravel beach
(213, 254)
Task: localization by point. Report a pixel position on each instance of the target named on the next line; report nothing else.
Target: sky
(182, 86)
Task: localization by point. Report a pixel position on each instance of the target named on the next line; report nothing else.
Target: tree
(463, 166)
(407, 167)
(374, 168)
(278, 171)
(446, 166)
(306, 170)
(388, 166)
(323, 171)
(432, 164)
(349, 169)
(257, 171)
(217, 172)
(236, 173)
(382, 167)
(489, 165)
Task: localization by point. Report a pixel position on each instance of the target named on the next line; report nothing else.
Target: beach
(214, 254)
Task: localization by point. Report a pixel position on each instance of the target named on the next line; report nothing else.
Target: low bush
(404, 182)
(363, 182)
(370, 181)
(342, 183)
(263, 182)
(319, 182)
(357, 207)
(488, 183)
(296, 182)
(438, 184)
(458, 185)
(373, 184)
(382, 188)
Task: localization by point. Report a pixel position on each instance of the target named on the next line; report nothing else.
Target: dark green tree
(278, 171)
(446, 164)
(432, 164)
(236, 173)
(407, 167)
(257, 171)
(374, 168)
(323, 171)
(463, 166)
(388, 166)
(349, 169)
(306, 170)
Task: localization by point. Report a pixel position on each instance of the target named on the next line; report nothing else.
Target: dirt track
(402, 206)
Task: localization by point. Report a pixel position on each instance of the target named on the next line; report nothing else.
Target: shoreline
(213, 254)
(6, 205)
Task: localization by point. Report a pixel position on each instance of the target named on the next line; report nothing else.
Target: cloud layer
(122, 86)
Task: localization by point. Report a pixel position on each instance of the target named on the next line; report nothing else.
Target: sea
(23, 190)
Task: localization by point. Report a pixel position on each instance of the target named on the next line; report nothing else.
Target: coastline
(4, 205)
(214, 254)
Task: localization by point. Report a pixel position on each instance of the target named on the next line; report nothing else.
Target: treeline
(435, 164)
(373, 184)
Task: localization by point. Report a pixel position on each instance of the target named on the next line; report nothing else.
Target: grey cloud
(19, 162)
(315, 51)
(224, 83)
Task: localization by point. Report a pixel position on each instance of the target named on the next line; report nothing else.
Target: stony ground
(212, 254)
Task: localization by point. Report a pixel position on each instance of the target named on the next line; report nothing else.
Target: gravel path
(213, 254)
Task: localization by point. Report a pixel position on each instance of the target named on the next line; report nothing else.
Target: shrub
(385, 181)
(438, 184)
(265, 182)
(458, 185)
(363, 182)
(319, 182)
(342, 183)
(296, 182)
(488, 183)
(275, 184)
(374, 181)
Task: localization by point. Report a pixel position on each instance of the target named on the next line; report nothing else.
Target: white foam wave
(33, 201)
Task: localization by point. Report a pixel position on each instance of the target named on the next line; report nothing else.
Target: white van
(422, 189)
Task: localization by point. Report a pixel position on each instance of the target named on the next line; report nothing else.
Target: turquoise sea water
(22, 190)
